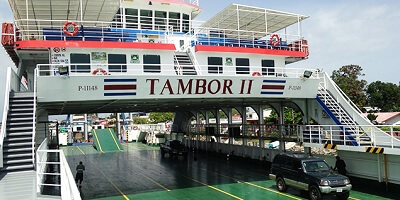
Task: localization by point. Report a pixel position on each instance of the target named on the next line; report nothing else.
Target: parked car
(173, 148)
(308, 173)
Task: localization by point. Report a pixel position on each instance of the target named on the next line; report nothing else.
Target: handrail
(348, 100)
(34, 116)
(196, 63)
(5, 112)
(69, 190)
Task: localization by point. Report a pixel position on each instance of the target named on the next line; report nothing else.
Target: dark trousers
(79, 177)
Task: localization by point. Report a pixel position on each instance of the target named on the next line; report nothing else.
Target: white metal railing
(69, 190)
(195, 2)
(34, 117)
(147, 30)
(5, 112)
(168, 70)
(334, 134)
(192, 57)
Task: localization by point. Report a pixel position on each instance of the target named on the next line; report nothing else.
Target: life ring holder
(274, 40)
(99, 71)
(256, 74)
(67, 28)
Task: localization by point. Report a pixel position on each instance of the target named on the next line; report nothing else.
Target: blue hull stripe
(274, 81)
(271, 92)
(119, 80)
(120, 94)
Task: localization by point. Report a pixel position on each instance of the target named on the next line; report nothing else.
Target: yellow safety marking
(214, 188)
(353, 198)
(114, 139)
(97, 139)
(94, 164)
(377, 150)
(271, 190)
(80, 150)
(252, 184)
(155, 182)
(330, 146)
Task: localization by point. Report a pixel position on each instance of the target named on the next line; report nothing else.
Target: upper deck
(237, 28)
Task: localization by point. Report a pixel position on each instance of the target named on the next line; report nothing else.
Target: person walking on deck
(79, 173)
(340, 166)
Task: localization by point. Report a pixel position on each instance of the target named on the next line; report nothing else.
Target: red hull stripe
(251, 50)
(120, 87)
(273, 87)
(28, 44)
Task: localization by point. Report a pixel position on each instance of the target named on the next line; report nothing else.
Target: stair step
(19, 129)
(19, 134)
(17, 144)
(19, 115)
(18, 124)
(18, 161)
(21, 95)
(17, 167)
(17, 155)
(28, 110)
(7, 150)
(17, 139)
(21, 101)
(22, 119)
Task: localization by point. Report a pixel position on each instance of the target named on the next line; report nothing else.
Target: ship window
(215, 65)
(175, 21)
(151, 63)
(114, 60)
(146, 19)
(242, 66)
(131, 16)
(78, 58)
(268, 67)
(161, 20)
(185, 23)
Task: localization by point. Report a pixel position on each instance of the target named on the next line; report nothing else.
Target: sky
(340, 32)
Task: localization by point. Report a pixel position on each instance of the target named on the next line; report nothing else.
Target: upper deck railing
(157, 30)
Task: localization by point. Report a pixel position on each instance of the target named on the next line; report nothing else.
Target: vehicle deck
(139, 172)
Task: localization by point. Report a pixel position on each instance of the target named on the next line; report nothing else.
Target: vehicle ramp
(105, 140)
(356, 127)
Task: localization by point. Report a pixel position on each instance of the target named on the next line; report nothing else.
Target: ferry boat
(93, 56)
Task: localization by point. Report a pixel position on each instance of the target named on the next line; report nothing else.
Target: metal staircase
(183, 64)
(18, 147)
(338, 114)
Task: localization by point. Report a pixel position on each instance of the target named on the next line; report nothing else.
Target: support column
(197, 129)
(118, 125)
(86, 127)
(207, 123)
(70, 129)
(281, 128)
(261, 126)
(307, 150)
(244, 125)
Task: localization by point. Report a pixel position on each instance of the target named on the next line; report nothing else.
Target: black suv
(308, 173)
(174, 148)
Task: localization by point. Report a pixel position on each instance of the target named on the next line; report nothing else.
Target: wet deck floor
(139, 172)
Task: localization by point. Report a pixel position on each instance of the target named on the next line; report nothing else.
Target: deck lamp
(307, 74)
(150, 4)
(63, 70)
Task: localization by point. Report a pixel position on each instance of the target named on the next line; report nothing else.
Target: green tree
(385, 96)
(347, 78)
(161, 117)
(138, 120)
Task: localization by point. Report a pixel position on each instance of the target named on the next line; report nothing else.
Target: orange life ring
(274, 40)
(70, 28)
(256, 74)
(99, 71)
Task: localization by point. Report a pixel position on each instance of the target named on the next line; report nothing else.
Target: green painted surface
(105, 140)
(149, 176)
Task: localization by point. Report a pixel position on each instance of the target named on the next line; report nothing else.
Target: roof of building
(384, 116)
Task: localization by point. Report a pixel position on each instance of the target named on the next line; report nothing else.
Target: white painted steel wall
(255, 60)
(67, 88)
